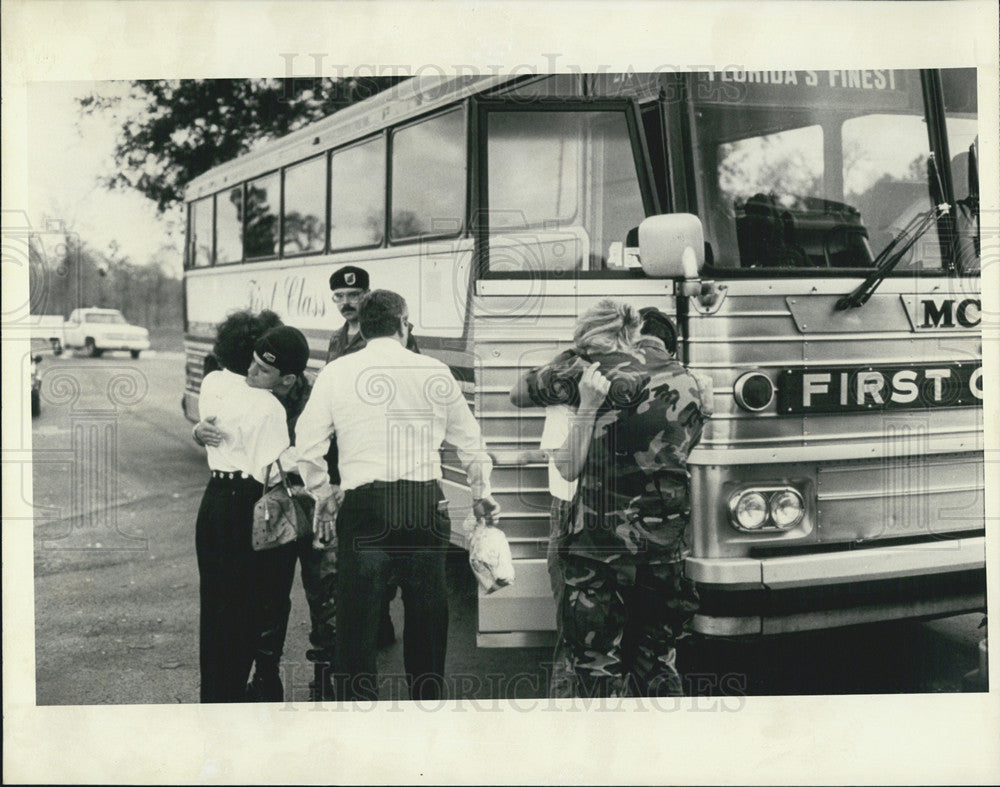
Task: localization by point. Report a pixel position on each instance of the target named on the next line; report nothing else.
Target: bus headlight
(749, 510)
(787, 509)
(766, 509)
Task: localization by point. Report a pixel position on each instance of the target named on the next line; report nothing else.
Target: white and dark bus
(814, 234)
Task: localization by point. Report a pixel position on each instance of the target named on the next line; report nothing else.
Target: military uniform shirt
(633, 489)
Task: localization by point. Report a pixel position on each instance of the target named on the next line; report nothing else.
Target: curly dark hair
(237, 334)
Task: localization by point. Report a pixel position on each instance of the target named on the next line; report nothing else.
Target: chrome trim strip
(826, 619)
(828, 337)
(798, 363)
(840, 436)
(812, 454)
(882, 493)
(755, 287)
(831, 568)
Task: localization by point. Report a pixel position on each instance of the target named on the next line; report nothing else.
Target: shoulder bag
(282, 514)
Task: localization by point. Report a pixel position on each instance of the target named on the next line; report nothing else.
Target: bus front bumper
(775, 595)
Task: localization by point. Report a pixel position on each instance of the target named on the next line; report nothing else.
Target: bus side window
(200, 233)
(357, 195)
(427, 179)
(303, 226)
(229, 225)
(260, 216)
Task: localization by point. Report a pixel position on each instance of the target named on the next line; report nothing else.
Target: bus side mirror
(672, 246)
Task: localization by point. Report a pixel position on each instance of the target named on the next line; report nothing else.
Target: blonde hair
(609, 326)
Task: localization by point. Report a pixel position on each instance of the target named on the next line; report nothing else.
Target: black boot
(321, 688)
(265, 687)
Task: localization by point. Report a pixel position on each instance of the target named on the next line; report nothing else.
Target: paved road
(117, 482)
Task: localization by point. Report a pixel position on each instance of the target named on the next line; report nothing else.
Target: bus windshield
(822, 169)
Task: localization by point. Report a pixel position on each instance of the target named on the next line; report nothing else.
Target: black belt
(230, 476)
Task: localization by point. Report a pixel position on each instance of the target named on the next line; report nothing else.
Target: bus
(813, 233)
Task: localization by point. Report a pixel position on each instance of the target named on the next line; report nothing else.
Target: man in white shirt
(390, 410)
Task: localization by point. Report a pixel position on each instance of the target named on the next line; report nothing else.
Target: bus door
(560, 184)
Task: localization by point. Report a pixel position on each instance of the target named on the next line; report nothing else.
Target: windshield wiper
(892, 254)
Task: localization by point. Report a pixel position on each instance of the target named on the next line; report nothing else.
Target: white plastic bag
(489, 556)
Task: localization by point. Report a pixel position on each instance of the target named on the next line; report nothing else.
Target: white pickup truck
(97, 330)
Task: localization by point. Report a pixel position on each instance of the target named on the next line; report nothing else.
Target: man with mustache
(349, 285)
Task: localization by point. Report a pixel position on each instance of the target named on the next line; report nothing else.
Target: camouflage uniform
(626, 600)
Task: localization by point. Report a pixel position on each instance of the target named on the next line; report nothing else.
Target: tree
(181, 129)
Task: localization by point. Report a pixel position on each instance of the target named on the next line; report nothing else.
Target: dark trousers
(384, 529)
(238, 586)
(277, 572)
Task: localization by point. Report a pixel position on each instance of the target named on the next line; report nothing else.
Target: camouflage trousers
(319, 581)
(620, 624)
(562, 681)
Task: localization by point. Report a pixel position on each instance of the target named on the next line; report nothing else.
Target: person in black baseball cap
(658, 324)
(279, 353)
(279, 359)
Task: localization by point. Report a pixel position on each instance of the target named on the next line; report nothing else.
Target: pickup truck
(49, 328)
(97, 330)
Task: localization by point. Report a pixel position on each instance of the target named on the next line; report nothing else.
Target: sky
(67, 154)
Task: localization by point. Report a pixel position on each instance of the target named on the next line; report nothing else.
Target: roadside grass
(166, 338)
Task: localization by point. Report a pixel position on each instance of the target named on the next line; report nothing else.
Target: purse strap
(281, 472)
(284, 478)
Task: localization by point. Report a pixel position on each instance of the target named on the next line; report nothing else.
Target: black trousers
(398, 528)
(237, 586)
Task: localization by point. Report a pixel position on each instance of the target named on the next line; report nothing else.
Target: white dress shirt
(252, 422)
(391, 409)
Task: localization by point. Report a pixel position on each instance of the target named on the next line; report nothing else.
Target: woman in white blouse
(236, 581)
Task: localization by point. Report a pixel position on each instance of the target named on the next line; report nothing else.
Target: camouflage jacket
(632, 505)
(558, 381)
